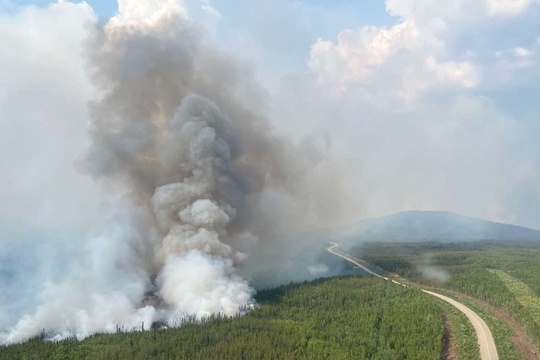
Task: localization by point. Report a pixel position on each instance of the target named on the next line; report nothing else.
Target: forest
(346, 317)
(336, 318)
(503, 274)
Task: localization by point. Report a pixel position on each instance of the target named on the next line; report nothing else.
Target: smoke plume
(178, 130)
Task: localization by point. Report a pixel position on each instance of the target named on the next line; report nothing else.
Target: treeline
(336, 318)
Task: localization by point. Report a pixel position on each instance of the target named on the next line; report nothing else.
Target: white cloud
(147, 11)
(150, 12)
(365, 57)
(426, 11)
(358, 53)
(418, 52)
(417, 119)
(508, 7)
(206, 6)
(522, 51)
(512, 66)
(461, 73)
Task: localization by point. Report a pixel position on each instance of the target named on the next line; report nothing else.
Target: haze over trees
(336, 318)
(434, 225)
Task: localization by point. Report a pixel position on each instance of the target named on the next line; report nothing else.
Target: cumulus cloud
(357, 54)
(148, 12)
(364, 56)
(424, 109)
(413, 50)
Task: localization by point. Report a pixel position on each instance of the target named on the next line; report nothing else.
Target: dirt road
(488, 351)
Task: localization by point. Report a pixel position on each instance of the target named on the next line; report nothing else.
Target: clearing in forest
(523, 293)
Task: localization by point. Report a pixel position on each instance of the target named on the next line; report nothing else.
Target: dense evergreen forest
(504, 274)
(335, 318)
(347, 317)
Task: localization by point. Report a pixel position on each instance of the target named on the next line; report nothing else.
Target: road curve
(488, 350)
(354, 262)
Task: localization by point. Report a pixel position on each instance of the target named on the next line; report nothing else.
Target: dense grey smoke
(197, 167)
(177, 131)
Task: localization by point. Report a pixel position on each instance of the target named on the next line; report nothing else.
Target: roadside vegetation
(501, 331)
(466, 343)
(335, 318)
(503, 275)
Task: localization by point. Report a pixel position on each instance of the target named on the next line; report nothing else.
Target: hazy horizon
(149, 148)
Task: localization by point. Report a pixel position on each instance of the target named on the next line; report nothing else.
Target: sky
(424, 104)
(371, 9)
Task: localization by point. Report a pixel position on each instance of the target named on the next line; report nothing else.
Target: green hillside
(503, 274)
(336, 318)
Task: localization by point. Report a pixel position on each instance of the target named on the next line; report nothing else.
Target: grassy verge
(502, 332)
(465, 336)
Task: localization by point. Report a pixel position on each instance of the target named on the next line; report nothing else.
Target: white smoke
(429, 270)
(197, 284)
(434, 273)
(94, 295)
(197, 275)
(318, 270)
(199, 178)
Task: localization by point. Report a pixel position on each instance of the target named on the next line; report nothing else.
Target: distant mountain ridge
(436, 225)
